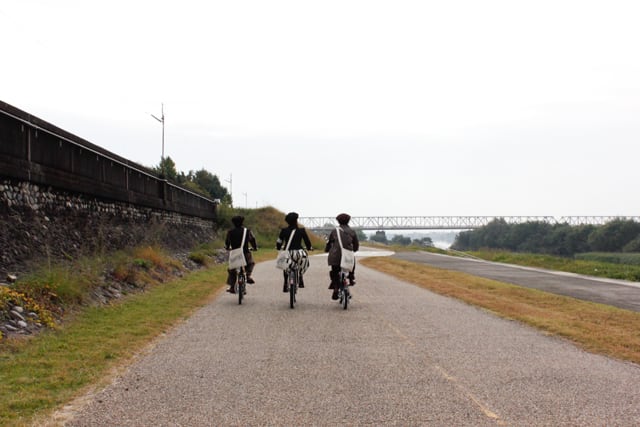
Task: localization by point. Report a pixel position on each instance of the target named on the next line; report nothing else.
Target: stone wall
(45, 224)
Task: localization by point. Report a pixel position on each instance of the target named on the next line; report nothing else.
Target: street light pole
(161, 120)
(230, 181)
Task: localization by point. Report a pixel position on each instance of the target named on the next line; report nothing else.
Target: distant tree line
(381, 237)
(555, 239)
(202, 182)
(399, 239)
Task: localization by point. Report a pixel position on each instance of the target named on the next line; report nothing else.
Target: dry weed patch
(595, 327)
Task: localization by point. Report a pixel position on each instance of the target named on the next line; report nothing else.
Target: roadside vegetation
(612, 258)
(613, 266)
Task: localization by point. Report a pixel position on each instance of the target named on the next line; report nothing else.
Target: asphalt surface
(399, 356)
(618, 293)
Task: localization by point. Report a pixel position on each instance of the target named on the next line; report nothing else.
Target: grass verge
(595, 327)
(591, 267)
(40, 374)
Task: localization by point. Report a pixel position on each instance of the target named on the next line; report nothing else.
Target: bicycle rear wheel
(345, 297)
(241, 287)
(293, 288)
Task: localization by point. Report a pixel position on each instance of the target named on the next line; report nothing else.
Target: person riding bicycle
(349, 241)
(298, 254)
(233, 241)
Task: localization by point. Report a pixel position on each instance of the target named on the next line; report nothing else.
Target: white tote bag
(284, 258)
(347, 258)
(236, 256)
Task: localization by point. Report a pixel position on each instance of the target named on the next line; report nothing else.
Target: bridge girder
(449, 222)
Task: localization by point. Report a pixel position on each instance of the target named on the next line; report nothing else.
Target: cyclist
(298, 254)
(233, 241)
(349, 241)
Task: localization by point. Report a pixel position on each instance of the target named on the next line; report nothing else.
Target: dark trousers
(286, 278)
(334, 275)
(231, 277)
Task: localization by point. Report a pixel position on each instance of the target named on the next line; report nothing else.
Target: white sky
(369, 107)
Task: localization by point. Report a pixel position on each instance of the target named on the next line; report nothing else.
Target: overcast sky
(369, 107)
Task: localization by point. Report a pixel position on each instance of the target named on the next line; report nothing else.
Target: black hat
(237, 220)
(291, 218)
(343, 218)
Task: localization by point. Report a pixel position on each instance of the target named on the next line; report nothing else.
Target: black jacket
(296, 242)
(234, 238)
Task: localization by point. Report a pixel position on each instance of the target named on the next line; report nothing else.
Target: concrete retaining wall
(63, 197)
(39, 224)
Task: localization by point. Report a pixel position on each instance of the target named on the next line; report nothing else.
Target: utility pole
(245, 201)
(161, 120)
(230, 181)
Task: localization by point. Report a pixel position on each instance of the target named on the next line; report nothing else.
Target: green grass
(609, 257)
(597, 268)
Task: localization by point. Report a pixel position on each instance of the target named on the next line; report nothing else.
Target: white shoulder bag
(284, 258)
(347, 258)
(236, 256)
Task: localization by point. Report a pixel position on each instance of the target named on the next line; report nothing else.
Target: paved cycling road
(618, 293)
(400, 355)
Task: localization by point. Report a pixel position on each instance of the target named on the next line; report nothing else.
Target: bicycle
(293, 277)
(240, 286)
(299, 263)
(344, 294)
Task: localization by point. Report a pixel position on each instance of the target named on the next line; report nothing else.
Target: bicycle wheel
(345, 296)
(293, 287)
(241, 286)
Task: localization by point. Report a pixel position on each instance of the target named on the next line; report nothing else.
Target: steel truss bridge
(321, 223)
